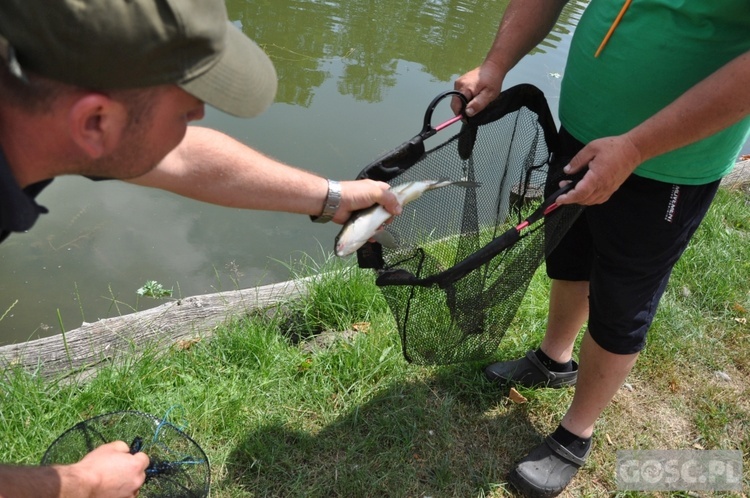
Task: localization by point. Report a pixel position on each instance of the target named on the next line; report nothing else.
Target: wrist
(331, 204)
(635, 148)
(76, 482)
(496, 65)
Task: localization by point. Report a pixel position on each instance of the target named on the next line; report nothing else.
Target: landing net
(462, 265)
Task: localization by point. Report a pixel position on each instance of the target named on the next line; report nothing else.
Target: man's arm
(212, 167)
(109, 471)
(720, 100)
(524, 25)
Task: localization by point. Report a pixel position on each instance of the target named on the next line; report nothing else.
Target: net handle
(393, 163)
(427, 129)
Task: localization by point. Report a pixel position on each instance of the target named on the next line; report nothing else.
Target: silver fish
(367, 224)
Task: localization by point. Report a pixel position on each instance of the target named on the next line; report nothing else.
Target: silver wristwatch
(333, 200)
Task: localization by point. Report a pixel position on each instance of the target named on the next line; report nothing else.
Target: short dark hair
(34, 94)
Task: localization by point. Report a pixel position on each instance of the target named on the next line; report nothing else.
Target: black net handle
(427, 129)
(395, 162)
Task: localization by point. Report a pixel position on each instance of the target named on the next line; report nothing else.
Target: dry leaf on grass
(361, 327)
(187, 344)
(516, 397)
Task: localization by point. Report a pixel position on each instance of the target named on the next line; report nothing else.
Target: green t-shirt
(659, 50)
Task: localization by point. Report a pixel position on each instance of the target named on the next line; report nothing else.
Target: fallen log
(740, 175)
(182, 320)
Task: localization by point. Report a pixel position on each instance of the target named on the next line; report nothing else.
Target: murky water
(355, 78)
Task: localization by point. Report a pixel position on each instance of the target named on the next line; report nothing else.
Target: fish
(368, 223)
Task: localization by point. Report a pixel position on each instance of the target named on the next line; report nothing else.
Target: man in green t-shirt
(655, 104)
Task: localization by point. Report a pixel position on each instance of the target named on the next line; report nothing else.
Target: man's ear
(96, 124)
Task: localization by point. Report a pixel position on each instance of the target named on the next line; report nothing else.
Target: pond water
(355, 77)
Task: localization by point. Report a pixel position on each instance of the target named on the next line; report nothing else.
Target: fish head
(341, 248)
(349, 240)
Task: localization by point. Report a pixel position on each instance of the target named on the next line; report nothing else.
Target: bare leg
(600, 375)
(568, 311)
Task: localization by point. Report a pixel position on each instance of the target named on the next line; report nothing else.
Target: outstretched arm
(212, 167)
(720, 100)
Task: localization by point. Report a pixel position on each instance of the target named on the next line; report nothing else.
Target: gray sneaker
(529, 372)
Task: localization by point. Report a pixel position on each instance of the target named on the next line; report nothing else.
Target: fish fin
(467, 184)
(386, 239)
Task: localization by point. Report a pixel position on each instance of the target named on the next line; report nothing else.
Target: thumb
(391, 204)
(478, 103)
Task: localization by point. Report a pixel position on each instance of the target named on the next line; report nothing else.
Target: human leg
(600, 375)
(636, 248)
(568, 311)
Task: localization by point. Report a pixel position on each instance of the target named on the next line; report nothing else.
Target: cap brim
(242, 83)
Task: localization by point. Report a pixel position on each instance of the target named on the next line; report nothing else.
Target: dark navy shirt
(18, 209)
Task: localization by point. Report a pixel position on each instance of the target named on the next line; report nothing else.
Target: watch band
(333, 201)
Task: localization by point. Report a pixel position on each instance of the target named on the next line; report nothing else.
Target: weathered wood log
(739, 176)
(100, 342)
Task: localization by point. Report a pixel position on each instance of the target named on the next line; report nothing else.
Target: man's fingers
(457, 105)
(119, 446)
(389, 200)
(145, 461)
(478, 103)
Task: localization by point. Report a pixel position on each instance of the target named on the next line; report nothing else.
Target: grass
(315, 399)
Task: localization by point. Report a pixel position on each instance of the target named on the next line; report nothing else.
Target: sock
(576, 445)
(551, 364)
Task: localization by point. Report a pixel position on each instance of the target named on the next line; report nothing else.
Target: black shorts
(626, 249)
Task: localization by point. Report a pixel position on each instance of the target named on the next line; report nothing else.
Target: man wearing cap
(106, 89)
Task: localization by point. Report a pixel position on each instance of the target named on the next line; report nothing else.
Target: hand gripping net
(465, 256)
(178, 469)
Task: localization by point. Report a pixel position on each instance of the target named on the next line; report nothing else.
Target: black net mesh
(463, 260)
(178, 469)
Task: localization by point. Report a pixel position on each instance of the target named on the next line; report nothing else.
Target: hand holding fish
(361, 194)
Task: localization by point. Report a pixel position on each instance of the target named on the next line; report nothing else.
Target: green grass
(281, 412)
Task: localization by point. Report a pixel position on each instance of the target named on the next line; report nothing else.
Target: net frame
(178, 466)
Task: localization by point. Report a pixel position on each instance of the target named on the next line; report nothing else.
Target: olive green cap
(120, 44)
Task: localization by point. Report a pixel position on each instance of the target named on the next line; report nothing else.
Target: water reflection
(445, 37)
(355, 78)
